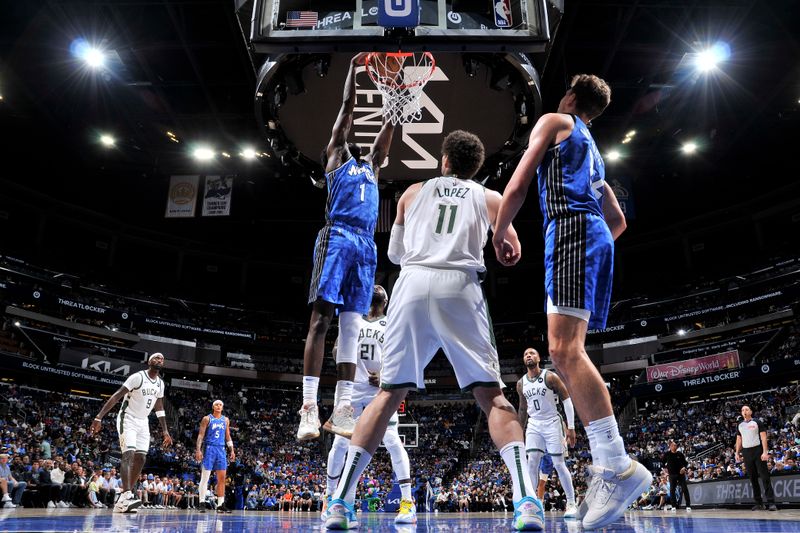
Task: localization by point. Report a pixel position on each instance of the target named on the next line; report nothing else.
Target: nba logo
(502, 13)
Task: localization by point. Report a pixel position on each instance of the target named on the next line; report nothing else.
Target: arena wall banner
(707, 349)
(54, 346)
(187, 384)
(24, 364)
(739, 491)
(182, 196)
(776, 371)
(166, 324)
(217, 196)
(691, 367)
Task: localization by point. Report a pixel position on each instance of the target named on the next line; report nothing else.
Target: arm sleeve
(396, 249)
(569, 410)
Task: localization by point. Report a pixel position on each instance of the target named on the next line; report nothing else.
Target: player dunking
(344, 263)
(142, 392)
(371, 335)
(215, 433)
(581, 220)
(538, 392)
(438, 239)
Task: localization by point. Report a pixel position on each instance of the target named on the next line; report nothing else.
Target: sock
(592, 445)
(336, 459)
(357, 460)
(565, 478)
(310, 386)
(220, 501)
(343, 394)
(610, 446)
(405, 491)
(513, 455)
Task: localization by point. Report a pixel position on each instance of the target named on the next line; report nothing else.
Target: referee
(752, 443)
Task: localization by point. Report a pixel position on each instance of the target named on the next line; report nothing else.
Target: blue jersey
(215, 432)
(353, 195)
(571, 176)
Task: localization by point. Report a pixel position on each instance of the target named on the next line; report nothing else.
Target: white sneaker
(593, 483)
(8, 505)
(407, 513)
(341, 421)
(99, 505)
(572, 511)
(615, 493)
(51, 504)
(61, 505)
(688, 509)
(309, 423)
(6, 498)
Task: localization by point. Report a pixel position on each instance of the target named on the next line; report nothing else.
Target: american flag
(301, 19)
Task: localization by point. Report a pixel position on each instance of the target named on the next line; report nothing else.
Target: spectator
(12, 489)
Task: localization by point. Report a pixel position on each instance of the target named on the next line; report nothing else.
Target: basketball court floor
(713, 521)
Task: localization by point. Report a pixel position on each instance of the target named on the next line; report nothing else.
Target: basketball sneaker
(407, 513)
(614, 493)
(309, 423)
(528, 515)
(572, 511)
(127, 503)
(326, 502)
(341, 421)
(592, 483)
(341, 515)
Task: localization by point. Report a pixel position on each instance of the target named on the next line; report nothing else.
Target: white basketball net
(400, 78)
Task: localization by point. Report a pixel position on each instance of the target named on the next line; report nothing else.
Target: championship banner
(740, 491)
(182, 196)
(217, 196)
(692, 367)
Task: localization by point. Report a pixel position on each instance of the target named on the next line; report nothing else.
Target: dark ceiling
(183, 66)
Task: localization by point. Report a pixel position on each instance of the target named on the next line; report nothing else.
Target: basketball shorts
(545, 436)
(363, 394)
(134, 434)
(214, 458)
(345, 258)
(436, 308)
(579, 267)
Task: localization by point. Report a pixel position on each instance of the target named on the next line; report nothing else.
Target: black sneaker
(222, 509)
(201, 508)
(759, 507)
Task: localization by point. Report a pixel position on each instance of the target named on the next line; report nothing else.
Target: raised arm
(109, 405)
(555, 383)
(522, 412)
(201, 434)
(380, 148)
(337, 146)
(615, 218)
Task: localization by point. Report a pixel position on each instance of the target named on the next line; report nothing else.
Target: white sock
(220, 501)
(513, 455)
(310, 386)
(565, 478)
(405, 491)
(357, 460)
(610, 446)
(344, 393)
(336, 459)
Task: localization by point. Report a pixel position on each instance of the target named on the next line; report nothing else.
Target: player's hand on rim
(359, 58)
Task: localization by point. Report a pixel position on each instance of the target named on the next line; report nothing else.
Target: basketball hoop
(400, 78)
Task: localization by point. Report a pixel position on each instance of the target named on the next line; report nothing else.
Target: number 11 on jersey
(451, 222)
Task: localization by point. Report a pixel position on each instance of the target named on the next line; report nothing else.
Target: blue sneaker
(341, 515)
(528, 514)
(325, 504)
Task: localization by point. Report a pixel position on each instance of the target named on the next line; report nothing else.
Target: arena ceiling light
(614, 155)
(707, 60)
(248, 153)
(91, 55)
(689, 148)
(203, 153)
(107, 140)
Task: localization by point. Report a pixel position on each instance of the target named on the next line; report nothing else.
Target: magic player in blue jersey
(345, 258)
(214, 437)
(581, 221)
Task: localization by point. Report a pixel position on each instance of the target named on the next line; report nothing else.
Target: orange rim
(424, 80)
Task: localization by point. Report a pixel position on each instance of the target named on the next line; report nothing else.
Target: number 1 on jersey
(363, 187)
(442, 213)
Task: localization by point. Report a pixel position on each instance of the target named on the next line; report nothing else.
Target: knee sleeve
(534, 462)
(337, 456)
(348, 338)
(398, 453)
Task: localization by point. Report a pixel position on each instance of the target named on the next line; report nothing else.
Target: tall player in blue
(345, 258)
(215, 433)
(581, 221)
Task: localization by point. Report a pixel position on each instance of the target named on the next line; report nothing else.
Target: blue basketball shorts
(215, 458)
(579, 265)
(345, 258)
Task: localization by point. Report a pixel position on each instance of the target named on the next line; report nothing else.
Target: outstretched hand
(358, 59)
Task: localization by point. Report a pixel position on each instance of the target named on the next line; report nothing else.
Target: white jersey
(370, 347)
(542, 400)
(142, 395)
(446, 226)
